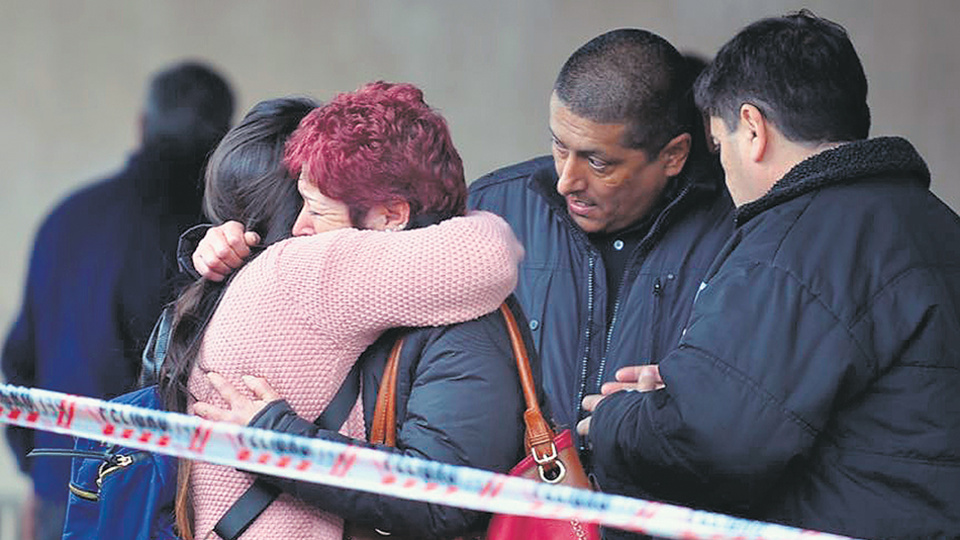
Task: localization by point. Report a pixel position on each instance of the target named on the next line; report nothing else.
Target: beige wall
(73, 74)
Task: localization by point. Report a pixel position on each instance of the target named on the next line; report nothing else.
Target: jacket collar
(843, 165)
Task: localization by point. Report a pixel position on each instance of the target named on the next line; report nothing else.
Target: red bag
(552, 459)
(506, 526)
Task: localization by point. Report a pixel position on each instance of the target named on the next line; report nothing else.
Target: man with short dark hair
(816, 381)
(102, 267)
(621, 224)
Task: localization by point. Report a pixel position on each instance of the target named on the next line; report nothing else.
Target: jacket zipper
(584, 361)
(613, 323)
(655, 318)
(657, 293)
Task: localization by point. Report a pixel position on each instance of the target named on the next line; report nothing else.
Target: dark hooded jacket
(817, 380)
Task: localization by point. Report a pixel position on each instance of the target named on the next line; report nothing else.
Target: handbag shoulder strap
(156, 350)
(539, 437)
(384, 428)
(260, 494)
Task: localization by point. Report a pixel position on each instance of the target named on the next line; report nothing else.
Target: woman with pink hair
(381, 243)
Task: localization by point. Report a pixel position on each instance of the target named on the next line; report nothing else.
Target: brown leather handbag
(551, 458)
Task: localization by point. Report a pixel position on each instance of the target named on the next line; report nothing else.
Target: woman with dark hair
(246, 180)
(297, 317)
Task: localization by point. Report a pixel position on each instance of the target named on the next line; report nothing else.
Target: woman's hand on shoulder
(241, 409)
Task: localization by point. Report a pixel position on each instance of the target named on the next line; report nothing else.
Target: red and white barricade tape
(340, 465)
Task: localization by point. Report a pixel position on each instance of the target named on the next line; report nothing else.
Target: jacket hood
(841, 165)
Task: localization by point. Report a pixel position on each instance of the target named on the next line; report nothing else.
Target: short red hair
(377, 145)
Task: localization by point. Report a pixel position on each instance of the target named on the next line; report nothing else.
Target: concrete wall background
(73, 77)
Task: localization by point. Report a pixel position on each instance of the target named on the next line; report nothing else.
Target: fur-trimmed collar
(841, 165)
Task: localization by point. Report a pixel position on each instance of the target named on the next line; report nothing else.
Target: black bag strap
(336, 412)
(260, 494)
(246, 509)
(156, 350)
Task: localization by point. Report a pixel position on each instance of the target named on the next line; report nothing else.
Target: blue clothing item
(817, 381)
(102, 268)
(135, 501)
(563, 288)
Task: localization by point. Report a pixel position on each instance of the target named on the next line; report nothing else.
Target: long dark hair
(246, 181)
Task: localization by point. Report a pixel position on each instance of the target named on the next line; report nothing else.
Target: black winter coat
(817, 381)
(458, 401)
(562, 284)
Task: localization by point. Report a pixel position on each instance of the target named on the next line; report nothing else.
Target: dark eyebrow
(588, 153)
(581, 153)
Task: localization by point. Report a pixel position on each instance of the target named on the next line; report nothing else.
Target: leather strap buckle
(540, 460)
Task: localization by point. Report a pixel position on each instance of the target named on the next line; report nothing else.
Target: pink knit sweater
(301, 313)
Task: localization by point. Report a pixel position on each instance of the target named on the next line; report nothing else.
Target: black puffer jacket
(817, 380)
(562, 285)
(458, 401)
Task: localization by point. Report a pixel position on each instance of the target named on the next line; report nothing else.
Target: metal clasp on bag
(109, 467)
(549, 458)
(111, 463)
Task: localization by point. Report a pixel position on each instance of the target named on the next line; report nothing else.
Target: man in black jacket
(621, 224)
(816, 382)
(103, 264)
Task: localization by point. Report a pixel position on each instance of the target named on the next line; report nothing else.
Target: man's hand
(223, 250)
(242, 409)
(636, 378)
(589, 404)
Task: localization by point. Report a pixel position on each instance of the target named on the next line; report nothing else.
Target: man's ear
(755, 130)
(392, 216)
(674, 155)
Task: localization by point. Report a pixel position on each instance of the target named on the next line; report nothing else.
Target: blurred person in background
(104, 264)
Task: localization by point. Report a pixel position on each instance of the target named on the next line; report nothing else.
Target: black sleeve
(464, 408)
(747, 393)
(188, 243)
